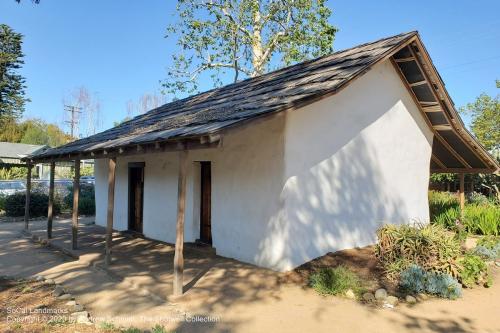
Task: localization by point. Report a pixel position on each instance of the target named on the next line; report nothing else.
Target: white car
(8, 187)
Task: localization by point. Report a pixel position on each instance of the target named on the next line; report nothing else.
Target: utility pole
(73, 122)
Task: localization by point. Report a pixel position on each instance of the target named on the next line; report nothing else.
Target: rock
(78, 307)
(65, 297)
(50, 281)
(39, 278)
(497, 263)
(422, 297)
(470, 243)
(350, 294)
(71, 303)
(58, 291)
(381, 294)
(410, 299)
(368, 297)
(392, 300)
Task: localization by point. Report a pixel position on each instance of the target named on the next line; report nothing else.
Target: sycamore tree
(12, 88)
(224, 39)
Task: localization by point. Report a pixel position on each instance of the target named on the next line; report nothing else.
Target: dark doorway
(205, 208)
(135, 196)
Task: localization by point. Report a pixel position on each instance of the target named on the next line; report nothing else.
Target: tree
(33, 131)
(89, 120)
(485, 120)
(244, 37)
(12, 94)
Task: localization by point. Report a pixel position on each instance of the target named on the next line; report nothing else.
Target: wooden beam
(50, 214)
(462, 193)
(419, 83)
(28, 194)
(111, 205)
(76, 194)
(407, 59)
(179, 240)
(438, 161)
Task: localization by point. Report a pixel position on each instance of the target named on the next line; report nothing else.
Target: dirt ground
(230, 296)
(28, 306)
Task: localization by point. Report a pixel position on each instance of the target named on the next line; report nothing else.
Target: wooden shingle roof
(216, 109)
(199, 117)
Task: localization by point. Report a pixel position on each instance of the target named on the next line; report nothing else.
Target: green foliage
(335, 281)
(86, 200)
(12, 88)
(33, 131)
(444, 208)
(482, 219)
(3, 198)
(13, 173)
(429, 246)
(107, 326)
(39, 202)
(488, 248)
(158, 329)
(481, 215)
(472, 270)
(131, 330)
(443, 177)
(415, 279)
(243, 37)
(485, 120)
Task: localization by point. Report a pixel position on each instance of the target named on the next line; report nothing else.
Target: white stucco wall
(247, 178)
(289, 189)
(353, 161)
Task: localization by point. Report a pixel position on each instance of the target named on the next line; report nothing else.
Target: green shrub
(440, 202)
(430, 246)
(39, 203)
(473, 270)
(482, 219)
(416, 280)
(86, 200)
(478, 199)
(335, 281)
(2, 201)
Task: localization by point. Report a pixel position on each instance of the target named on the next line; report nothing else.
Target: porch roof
(199, 120)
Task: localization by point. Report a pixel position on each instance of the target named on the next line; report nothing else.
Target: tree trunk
(257, 52)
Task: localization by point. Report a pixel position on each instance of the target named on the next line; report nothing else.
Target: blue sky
(118, 51)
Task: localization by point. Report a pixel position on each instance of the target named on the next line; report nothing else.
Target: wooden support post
(179, 240)
(28, 194)
(462, 194)
(111, 205)
(76, 194)
(51, 200)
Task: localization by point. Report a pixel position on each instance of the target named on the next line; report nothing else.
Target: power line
(73, 122)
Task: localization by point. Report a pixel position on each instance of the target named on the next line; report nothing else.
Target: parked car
(87, 179)
(8, 187)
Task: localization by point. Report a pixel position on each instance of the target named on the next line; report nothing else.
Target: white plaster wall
(352, 162)
(299, 185)
(247, 178)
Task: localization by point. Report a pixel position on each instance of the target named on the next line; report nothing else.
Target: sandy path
(246, 299)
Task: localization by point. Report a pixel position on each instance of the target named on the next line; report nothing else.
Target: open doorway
(135, 196)
(205, 202)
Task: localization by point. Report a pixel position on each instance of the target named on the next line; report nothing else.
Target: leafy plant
(429, 246)
(482, 219)
(39, 203)
(416, 280)
(159, 329)
(335, 281)
(473, 270)
(86, 200)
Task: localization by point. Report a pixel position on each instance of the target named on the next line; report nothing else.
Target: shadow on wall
(338, 195)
